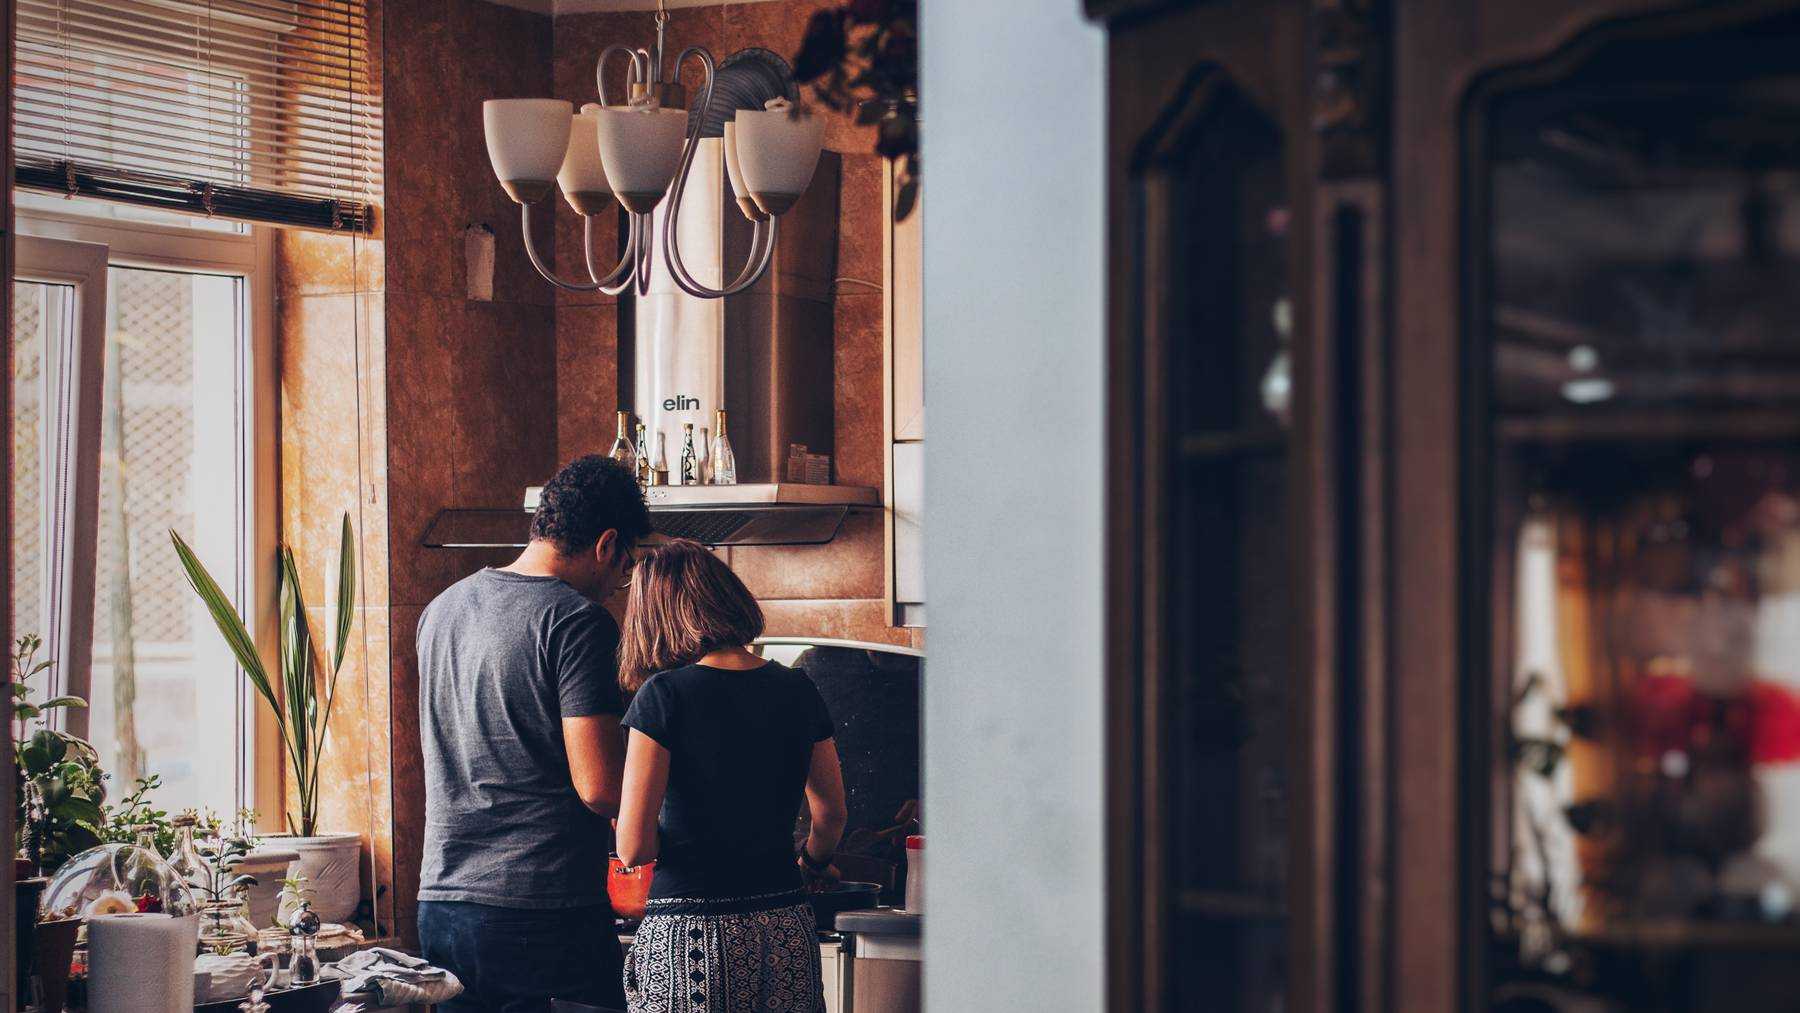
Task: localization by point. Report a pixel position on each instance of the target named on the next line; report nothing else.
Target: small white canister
(915, 874)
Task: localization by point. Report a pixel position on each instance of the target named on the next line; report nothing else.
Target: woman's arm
(824, 801)
(640, 802)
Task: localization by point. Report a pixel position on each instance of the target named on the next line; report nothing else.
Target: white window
(174, 408)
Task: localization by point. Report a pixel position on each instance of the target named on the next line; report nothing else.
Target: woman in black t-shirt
(723, 746)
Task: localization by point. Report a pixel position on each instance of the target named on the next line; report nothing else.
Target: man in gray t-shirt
(519, 708)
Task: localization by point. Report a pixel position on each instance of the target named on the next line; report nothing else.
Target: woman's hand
(817, 879)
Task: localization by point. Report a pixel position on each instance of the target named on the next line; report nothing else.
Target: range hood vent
(719, 515)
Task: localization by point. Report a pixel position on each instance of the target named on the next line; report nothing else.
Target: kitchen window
(152, 410)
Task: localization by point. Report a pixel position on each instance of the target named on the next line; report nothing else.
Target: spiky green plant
(302, 711)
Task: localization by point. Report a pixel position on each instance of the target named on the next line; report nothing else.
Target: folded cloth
(379, 977)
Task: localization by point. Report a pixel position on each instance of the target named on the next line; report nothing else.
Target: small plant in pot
(302, 708)
(61, 793)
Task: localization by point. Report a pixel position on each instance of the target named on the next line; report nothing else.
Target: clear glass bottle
(690, 464)
(141, 872)
(186, 860)
(659, 468)
(704, 469)
(643, 457)
(722, 464)
(622, 449)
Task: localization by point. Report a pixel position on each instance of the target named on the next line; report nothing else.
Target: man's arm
(596, 748)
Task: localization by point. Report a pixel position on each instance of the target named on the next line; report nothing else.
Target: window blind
(257, 110)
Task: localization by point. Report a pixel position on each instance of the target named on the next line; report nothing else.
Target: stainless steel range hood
(756, 514)
(761, 514)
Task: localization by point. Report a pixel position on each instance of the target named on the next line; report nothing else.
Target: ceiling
(593, 6)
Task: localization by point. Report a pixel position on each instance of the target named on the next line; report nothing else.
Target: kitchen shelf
(768, 515)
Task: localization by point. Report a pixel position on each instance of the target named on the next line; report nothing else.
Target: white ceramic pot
(332, 865)
(269, 863)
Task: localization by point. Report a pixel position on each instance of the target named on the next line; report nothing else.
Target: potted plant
(302, 709)
(61, 792)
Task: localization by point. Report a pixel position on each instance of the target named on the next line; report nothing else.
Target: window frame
(248, 255)
(71, 487)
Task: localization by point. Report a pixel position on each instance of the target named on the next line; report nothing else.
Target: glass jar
(224, 927)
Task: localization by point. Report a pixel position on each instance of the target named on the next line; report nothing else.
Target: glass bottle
(659, 468)
(141, 874)
(703, 471)
(723, 464)
(186, 860)
(643, 457)
(622, 449)
(690, 465)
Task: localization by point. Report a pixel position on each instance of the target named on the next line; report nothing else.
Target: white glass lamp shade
(736, 175)
(526, 141)
(583, 177)
(776, 154)
(641, 149)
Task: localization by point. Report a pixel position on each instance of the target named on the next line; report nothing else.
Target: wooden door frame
(1155, 51)
(1441, 729)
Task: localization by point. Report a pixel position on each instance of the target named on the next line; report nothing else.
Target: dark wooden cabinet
(1453, 397)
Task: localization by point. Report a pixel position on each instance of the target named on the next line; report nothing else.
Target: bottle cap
(916, 842)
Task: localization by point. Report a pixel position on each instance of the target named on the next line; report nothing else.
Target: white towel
(379, 977)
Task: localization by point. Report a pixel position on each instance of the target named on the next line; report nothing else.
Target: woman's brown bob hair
(685, 604)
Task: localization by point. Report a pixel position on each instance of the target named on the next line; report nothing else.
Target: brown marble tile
(845, 619)
(861, 221)
(857, 380)
(443, 58)
(316, 263)
(587, 379)
(849, 566)
(471, 422)
(407, 764)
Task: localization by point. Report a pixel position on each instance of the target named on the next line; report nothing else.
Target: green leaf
(53, 745)
(63, 701)
(54, 790)
(346, 604)
(25, 711)
(230, 624)
(35, 759)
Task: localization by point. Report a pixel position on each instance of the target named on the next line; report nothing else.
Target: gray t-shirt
(503, 658)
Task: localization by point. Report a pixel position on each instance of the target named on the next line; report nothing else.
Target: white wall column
(1014, 277)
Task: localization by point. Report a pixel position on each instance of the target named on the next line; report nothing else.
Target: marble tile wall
(330, 314)
(471, 385)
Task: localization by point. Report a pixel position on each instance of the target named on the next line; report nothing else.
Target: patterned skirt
(691, 957)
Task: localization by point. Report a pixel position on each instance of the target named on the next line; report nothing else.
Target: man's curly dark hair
(589, 496)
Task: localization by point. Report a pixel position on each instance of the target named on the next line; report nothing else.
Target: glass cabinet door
(1219, 729)
(1636, 498)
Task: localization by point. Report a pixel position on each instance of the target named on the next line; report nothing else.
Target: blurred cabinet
(1454, 509)
(905, 415)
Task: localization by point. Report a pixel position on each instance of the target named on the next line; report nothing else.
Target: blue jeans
(515, 960)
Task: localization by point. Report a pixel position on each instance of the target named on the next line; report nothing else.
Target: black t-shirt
(740, 745)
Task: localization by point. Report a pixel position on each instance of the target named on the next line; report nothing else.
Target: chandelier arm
(645, 259)
(671, 219)
(538, 262)
(762, 250)
(627, 261)
(638, 73)
(628, 266)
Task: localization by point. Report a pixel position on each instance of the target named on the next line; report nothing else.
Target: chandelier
(638, 151)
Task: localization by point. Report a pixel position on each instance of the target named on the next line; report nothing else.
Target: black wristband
(806, 859)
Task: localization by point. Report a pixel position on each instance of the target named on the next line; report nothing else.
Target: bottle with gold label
(659, 467)
(690, 464)
(623, 451)
(721, 462)
(643, 457)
